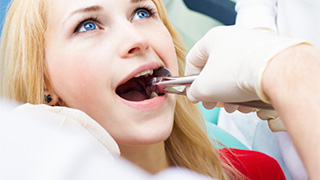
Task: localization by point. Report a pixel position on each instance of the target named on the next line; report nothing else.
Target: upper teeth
(145, 73)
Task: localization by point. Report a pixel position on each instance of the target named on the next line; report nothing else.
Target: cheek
(74, 77)
(172, 60)
(165, 48)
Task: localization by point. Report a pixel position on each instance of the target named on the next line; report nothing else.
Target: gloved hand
(274, 122)
(230, 61)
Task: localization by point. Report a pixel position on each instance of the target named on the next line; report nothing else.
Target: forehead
(58, 9)
(64, 5)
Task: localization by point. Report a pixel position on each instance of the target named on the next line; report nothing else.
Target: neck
(151, 158)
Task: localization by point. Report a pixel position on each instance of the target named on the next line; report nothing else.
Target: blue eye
(142, 13)
(88, 26)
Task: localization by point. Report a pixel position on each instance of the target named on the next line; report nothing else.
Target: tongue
(134, 89)
(134, 95)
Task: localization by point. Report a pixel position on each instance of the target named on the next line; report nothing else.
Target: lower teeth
(153, 94)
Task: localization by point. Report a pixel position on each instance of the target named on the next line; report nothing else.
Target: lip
(146, 105)
(140, 69)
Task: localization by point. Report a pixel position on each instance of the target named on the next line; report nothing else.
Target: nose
(134, 42)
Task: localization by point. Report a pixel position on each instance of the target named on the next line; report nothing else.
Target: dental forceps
(178, 85)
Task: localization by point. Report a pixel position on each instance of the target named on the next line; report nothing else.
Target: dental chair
(221, 10)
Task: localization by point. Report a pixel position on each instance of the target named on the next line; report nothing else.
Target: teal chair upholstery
(222, 136)
(211, 119)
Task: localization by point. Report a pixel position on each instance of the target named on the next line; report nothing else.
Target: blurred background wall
(190, 24)
(3, 6)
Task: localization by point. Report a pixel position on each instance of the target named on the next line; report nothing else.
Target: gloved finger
(274, 121)
(220, 104)
(230, 108)
(267, 114)
(190, 97)
(209, 105)
(245, 109)
(276, 125)
(196, 58)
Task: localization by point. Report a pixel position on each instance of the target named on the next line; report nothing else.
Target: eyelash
(147, 8)
(84, 20)
(95, 19)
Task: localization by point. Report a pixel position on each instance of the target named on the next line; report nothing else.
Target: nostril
(134, 50)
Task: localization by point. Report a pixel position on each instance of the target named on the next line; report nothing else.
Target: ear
(50, 97)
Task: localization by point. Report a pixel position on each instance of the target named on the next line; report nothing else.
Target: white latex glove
(230, 61)
(274, 121)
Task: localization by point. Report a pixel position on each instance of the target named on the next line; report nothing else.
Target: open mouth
(135, 88)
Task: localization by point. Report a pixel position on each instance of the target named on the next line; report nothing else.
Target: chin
(148, 140)
(150, 132)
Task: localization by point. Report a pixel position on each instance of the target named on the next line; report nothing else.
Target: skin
(294, 78)
(85, 68)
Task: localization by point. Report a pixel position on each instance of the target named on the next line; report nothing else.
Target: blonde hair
(22, 52)
(23, 77)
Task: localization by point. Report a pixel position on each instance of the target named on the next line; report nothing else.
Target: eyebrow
(88, 9)
(135, 1)
(97, 8)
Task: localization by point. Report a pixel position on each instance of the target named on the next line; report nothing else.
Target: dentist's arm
(239, 64)
(292, 83)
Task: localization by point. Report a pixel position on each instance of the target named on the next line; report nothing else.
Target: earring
(47, 98)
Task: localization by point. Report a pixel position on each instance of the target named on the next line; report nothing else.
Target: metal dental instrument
(164, 83)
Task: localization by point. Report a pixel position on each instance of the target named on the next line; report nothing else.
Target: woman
(96, 56)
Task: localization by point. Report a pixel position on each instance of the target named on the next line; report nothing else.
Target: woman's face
(93, 47)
